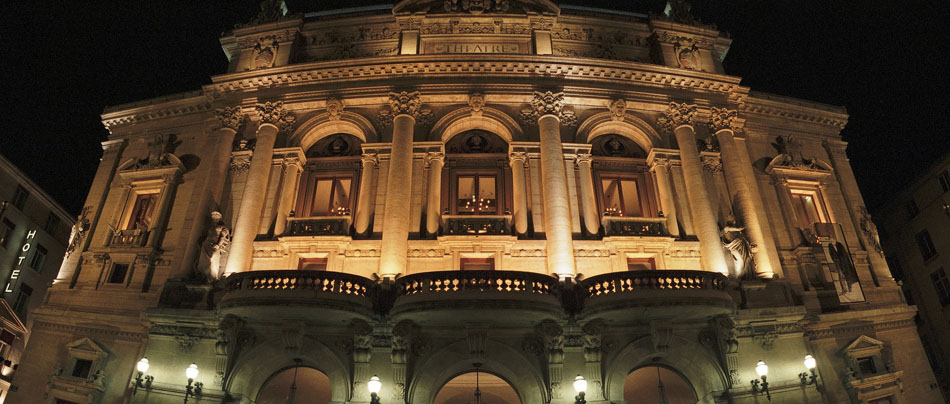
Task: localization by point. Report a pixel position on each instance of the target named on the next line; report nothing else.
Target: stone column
(661, 171)
(588, 197)
(549, 110)
(867, 231)
(434, 162)
(287, 195)
(404, 107)
(721, 122)
(679, 120)
(518, 161)
(366, 199)
(273, 119)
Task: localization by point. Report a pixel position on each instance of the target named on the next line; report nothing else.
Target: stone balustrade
(478, 281)
(129, 237)
(655, 295)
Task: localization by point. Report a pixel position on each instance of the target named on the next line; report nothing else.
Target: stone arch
(254, 368)
(509, 364)
(630, 127)
(311, 384)
(321, 126)
(692, 361)
(463, 120)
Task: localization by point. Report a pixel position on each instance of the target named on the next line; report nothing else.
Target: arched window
(651, 384)
(309, 386)
(329, 182)
(492, 389)
(621, 178)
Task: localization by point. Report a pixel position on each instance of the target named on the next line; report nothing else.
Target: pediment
(864, 343)
(476, 7)
(86, 345)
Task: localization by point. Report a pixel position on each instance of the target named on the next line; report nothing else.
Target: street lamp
(810, 364)
(762, 370)
(580, 386)
(374, 385)
(193, 388)
(144, 382)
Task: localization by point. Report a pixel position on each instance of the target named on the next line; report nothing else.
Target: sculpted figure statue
(217, 244)
(737, 242)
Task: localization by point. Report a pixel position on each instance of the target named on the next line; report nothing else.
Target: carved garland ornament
(675, 116)
(275, 114)
(548, 103)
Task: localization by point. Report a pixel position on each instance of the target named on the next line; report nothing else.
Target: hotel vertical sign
(24, 252)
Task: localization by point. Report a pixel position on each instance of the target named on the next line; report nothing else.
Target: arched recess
(265, 359)
(693, 361)
(630, 127)
(435, 370)
(321, 126)
(643, 384)
(311, 386)
(463, 120)
(461, 389)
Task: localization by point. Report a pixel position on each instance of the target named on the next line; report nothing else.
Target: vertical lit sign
(24, 251)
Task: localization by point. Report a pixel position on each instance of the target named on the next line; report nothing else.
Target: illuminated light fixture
(292, 397)
(807, 379)
(580, 386)
(193, 388)
(141, 379)
(374, 386)
(762, 370)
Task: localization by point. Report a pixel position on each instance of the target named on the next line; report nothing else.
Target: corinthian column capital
(275, 114)
(676, 115)
(404, 103)
(517, 158)
(548, 103)
(583, 159)
(369, 158)
(431, 157)
(230, 117)
(722, 119)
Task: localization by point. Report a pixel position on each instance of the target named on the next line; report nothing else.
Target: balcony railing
(657, 294)
(319, 226)
(319, 281)
(470, 225)
(129, 237)
(633, 226)
(632, 281)
(476, 281)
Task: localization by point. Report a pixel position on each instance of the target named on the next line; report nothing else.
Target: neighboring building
(915, 233)
(438, 188)
(34, 230)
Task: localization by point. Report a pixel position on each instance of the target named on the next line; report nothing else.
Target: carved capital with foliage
(230, 117)
(548, 103)
(722, 119)
(678, 114)
(275, 114)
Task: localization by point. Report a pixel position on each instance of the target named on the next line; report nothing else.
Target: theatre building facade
(497, 201)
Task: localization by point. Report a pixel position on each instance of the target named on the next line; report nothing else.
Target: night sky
(65, 61)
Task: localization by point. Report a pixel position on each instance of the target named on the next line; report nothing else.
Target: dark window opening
(866, 366)
(312, 264)
(477, 264)
(944, 181)
(39, 258)
(912, 209)
(20, 197)
(142, 210)
(118, 273)
(6, 232)
(82, 368)
(641, 264)
(51, 222)
(926, 245)
(942, 285)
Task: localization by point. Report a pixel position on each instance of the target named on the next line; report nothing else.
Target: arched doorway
(461, 390)
(310, 385)
(643, 385)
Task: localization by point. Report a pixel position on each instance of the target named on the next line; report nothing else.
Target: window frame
(821, 206)
(926, 245)
(52, 221)
(941, 286)
(7, 228)
(40, 252)
(20, 196)
(458, 164)
(475, 175)
(624, 168)
(328, 167)
(944, 180)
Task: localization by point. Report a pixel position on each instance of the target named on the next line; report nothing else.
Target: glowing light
(761, 368)
(374, 385)
(580, 385)
(142, 366)
(192, 371)
(810, 362)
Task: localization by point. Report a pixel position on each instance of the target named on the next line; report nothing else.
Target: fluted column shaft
(364, 203)
(252, 201)
(287, 188)
(435, 162)
(395, 242)
(742, 200)
(588, 197)
(557, 208)
(519, 191)
(704, 218)
(661, 171)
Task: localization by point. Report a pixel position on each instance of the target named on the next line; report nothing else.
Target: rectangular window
(641, 264)
(20, 197)
(22, 300)
(331, 196)
(926, 245)
(118, 273)
(477, 264)
(6, 232)
(39, 258)
(912, 209)
(944, 179)
(866, 366)
(808, 208)
(142, 211)
(621, 197)
(51, 222)
(942, 284)
(82, 368)
(476, 195)
(312, 264)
